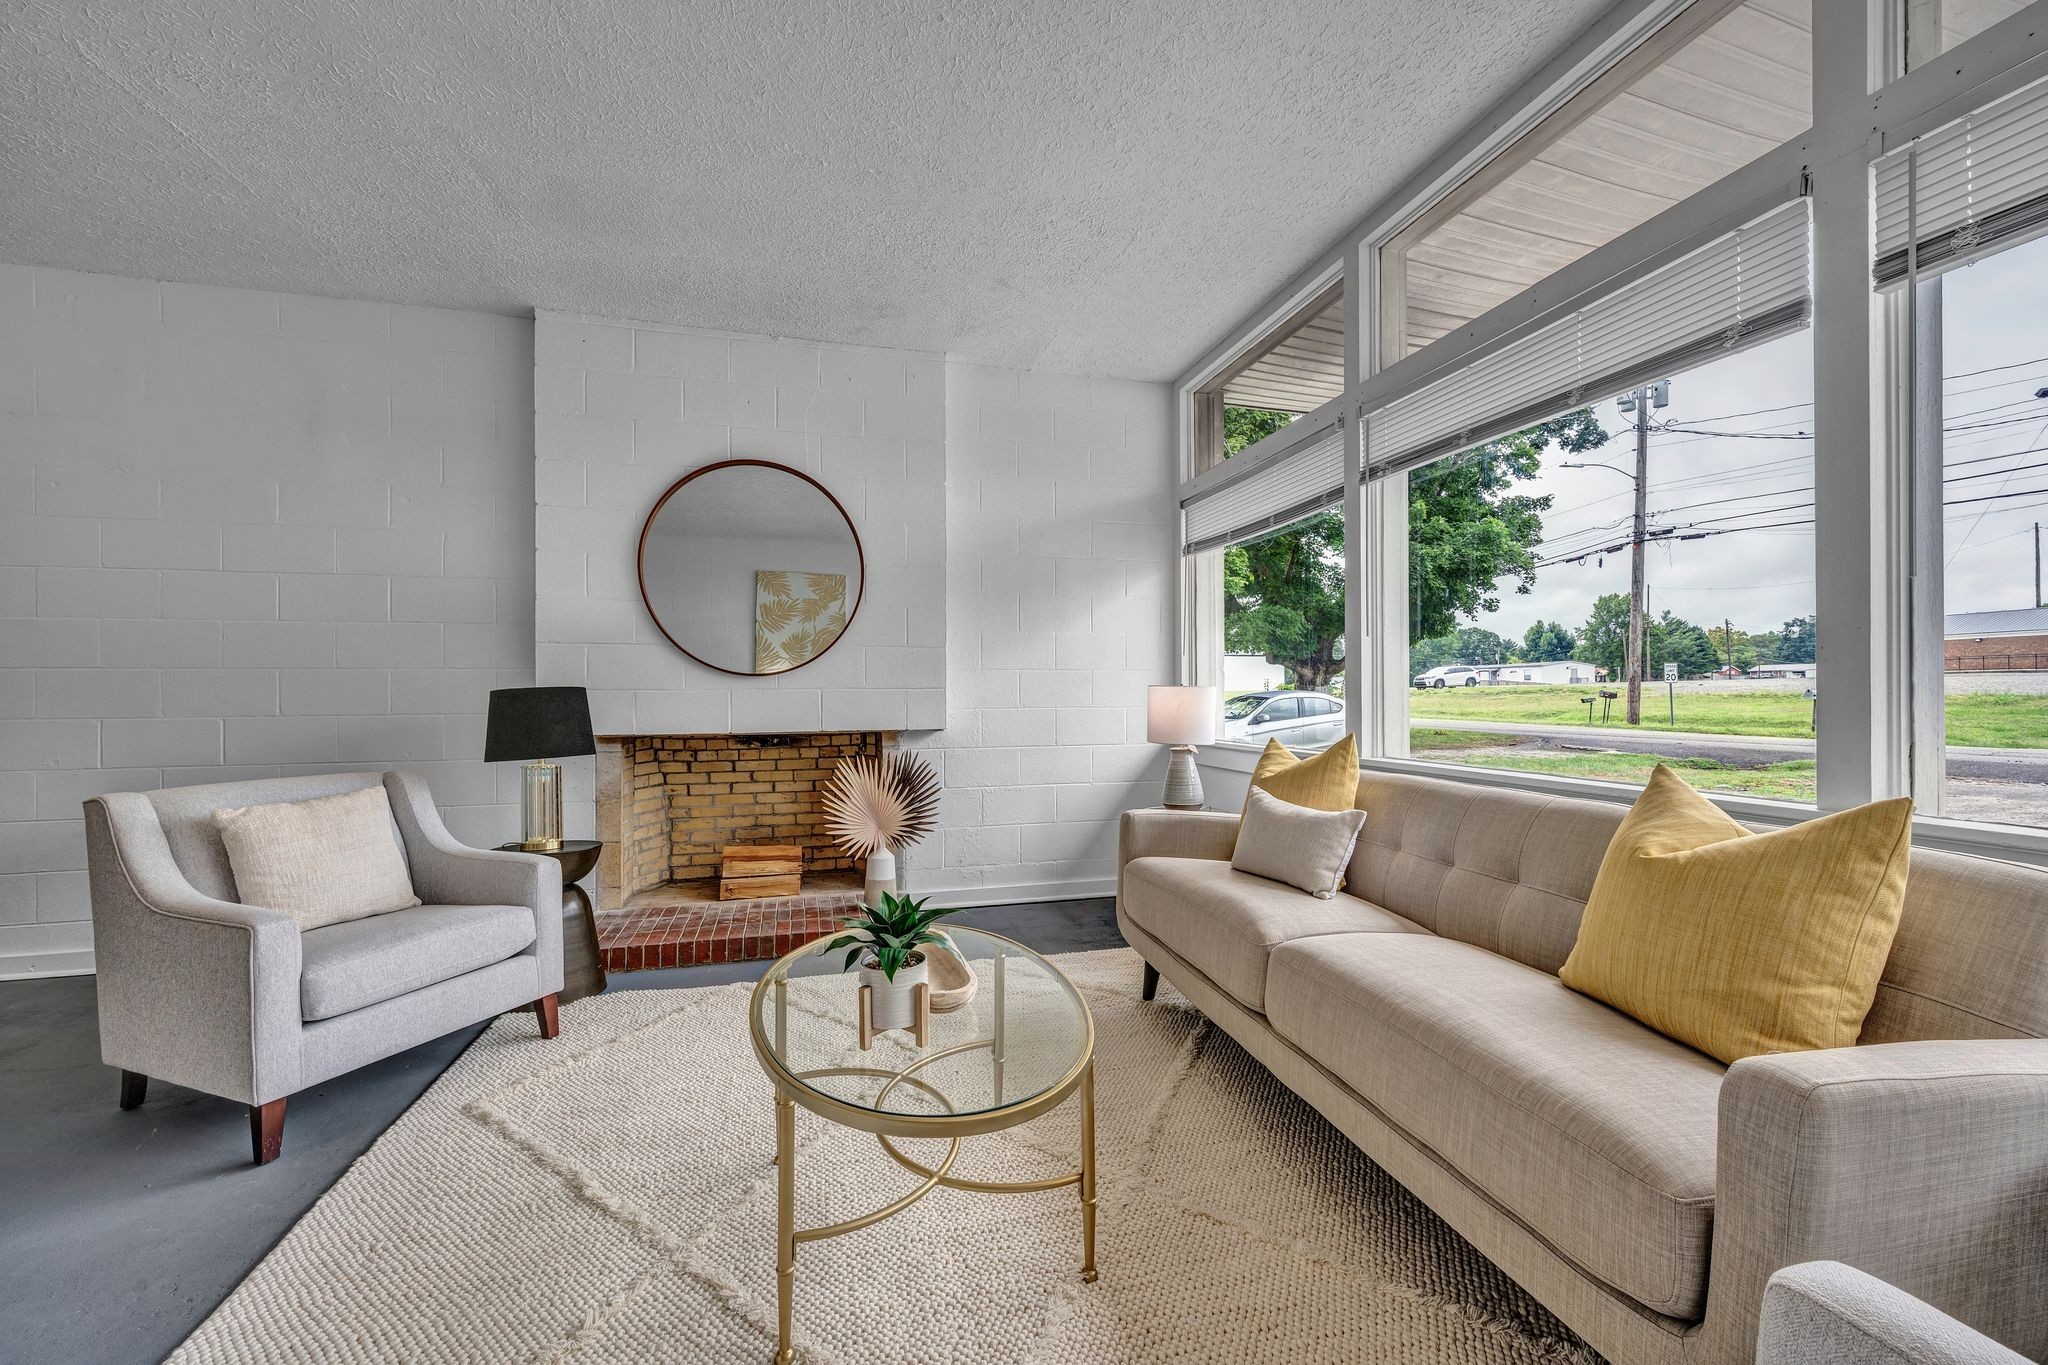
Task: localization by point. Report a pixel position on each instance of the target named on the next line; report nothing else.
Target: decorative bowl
(951, 981)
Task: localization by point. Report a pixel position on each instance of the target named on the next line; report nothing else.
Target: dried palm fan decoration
(880, 803)
(876, 804)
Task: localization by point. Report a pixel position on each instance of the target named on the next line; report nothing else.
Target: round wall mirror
(750, 567)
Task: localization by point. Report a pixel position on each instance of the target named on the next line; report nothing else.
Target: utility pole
(1635, 571)
(2037, 563)
(1728, 640)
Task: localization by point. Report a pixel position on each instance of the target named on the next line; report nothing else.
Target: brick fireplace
(666, 807)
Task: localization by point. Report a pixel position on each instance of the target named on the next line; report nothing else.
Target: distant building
(1995, 641)
(1785, 671)
(1251, 673)
(1565, 671)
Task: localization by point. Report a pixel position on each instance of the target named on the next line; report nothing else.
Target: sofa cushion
(346, 967)
(1225, 922)
(1738, 943)
(322, 860)
(1293, 844)
(1327, 781)
(1594, 1131)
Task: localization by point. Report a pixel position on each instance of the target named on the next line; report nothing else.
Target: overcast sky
(1997, 315)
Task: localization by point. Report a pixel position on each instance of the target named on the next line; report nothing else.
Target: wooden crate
(749, 870)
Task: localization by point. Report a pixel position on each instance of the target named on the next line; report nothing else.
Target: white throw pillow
(324, 861)
(1293, 844)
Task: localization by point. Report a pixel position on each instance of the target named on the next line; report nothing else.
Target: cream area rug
(610, 1196)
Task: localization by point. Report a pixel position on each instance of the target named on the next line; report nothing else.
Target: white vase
(881, 877)
(892, 1004)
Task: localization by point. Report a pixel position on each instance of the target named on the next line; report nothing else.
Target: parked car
(1453, 675)
(1297, 719)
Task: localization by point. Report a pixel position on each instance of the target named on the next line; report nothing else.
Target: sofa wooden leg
(1151, 987)
(266, 1130)
(547, 1009)
(134, 1087)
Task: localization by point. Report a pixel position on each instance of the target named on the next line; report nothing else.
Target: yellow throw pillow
(1329, 781)
(1741, 943)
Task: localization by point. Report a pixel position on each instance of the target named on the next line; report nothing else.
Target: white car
(1453, 675)
(1304, 720)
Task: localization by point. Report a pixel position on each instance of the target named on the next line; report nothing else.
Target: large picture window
(1283, 635)
(1638, 511)
(1929, 28)
(1528, 583)
(1992, 322)
(1715, 88)
(1295, 368)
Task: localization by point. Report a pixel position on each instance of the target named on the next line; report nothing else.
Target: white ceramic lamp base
(1183, 780)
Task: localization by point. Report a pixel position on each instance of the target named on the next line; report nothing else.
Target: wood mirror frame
(647, 529)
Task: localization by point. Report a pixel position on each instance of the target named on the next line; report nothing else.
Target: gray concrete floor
(119, 1232)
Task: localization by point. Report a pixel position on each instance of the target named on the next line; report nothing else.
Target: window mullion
(1361, 670)
(1862, 653)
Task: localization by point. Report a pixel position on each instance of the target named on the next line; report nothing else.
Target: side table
(582, 959)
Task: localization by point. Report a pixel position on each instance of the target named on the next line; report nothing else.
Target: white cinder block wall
(245, 534)
(1019, 550)
(622, 410)
(1059, 581)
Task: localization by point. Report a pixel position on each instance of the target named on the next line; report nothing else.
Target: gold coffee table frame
(791, 1090)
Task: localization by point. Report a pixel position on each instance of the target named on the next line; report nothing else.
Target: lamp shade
(537, 722)
(1182, 715)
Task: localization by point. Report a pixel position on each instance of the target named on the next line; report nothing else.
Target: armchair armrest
(1923, 1163)
(1826, 1311)
(449, 872)
(198, 991)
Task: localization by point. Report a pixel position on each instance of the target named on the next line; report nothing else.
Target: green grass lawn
(1791, 781)
(1988, 720)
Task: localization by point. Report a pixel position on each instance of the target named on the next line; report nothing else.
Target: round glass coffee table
(1019, 1047)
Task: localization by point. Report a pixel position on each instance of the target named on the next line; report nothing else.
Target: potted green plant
(887, 940)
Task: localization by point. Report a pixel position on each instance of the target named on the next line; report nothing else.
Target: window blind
(1735, 292)
(1966, 189)
(1289, 475)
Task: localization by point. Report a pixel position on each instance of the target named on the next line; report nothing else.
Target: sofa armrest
(1157, 833)
(1826, 1311)
(1923, 1163)
(447, 871)
(196, 991)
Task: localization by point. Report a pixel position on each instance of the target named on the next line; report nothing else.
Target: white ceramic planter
(891, 1003)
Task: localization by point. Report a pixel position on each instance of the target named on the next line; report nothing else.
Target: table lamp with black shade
(533, 725)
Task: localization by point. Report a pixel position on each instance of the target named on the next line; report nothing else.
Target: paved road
(1994, 765)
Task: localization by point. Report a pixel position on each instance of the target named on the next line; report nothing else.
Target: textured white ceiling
(1085, 187)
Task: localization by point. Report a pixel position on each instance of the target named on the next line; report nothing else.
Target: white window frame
(1863, 453)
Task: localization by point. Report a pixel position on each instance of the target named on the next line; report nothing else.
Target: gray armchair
(203, 991)
(1827, 1313)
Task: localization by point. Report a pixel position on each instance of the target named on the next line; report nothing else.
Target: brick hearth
(684, 924)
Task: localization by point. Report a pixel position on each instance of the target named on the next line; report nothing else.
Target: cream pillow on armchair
(324, 861)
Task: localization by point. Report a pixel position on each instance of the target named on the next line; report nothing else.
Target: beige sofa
(1641, 1190)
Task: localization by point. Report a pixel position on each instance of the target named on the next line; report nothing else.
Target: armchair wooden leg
(266, 1130)
(134, 1087)
(1151, 987)
(547, 1010)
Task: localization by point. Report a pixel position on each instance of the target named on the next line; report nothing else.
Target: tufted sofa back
(1510, 871)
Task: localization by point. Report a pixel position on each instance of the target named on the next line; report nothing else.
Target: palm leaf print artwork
(797, 616)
